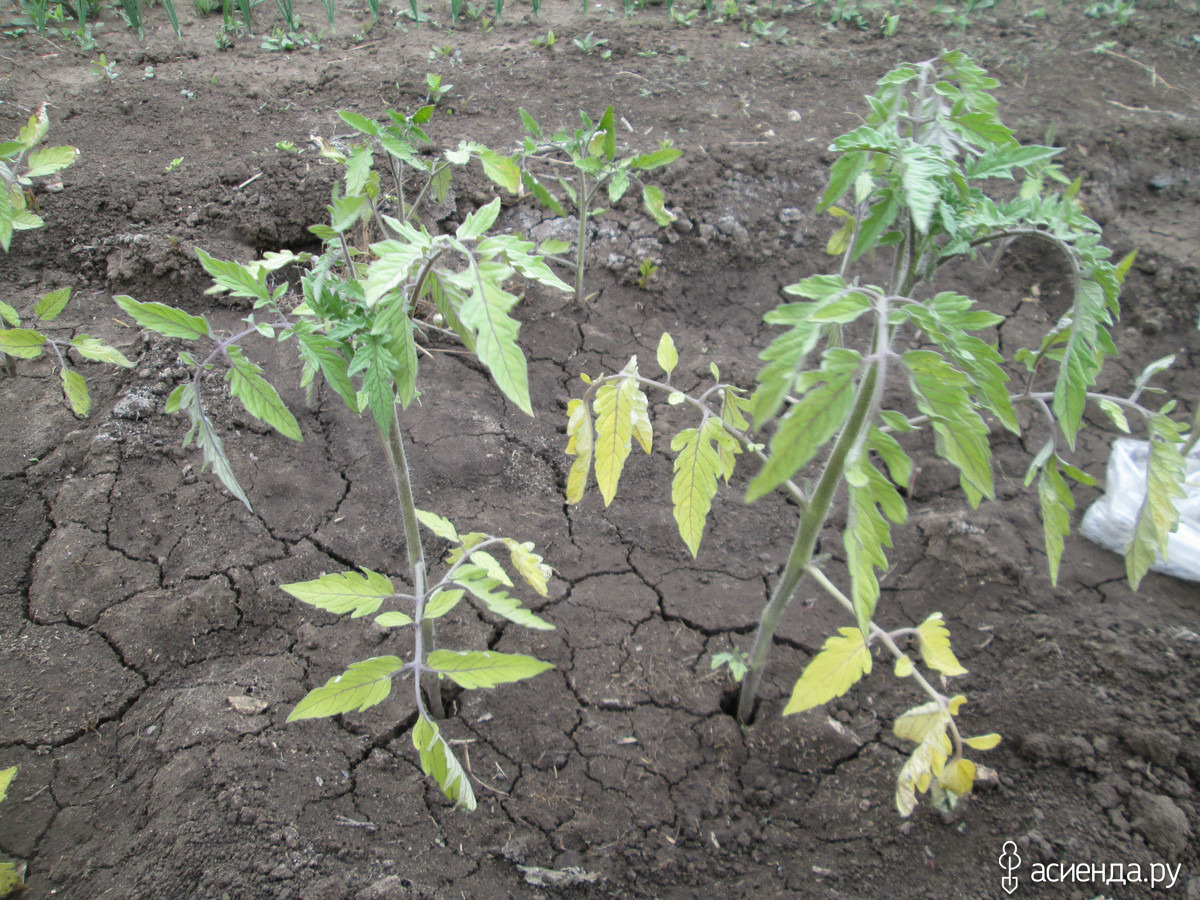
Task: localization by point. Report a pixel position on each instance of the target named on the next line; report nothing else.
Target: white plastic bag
(1111, 519)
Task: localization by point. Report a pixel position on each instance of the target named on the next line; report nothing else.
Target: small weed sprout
(105, 68)
(911, 183)
(436, 90)
(590, 44)
(646, 272)
(582, 162)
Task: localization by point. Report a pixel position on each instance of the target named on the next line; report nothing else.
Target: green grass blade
(374, 5)
(289, 16)
(169, 6)
(133, 15)
(331, 8)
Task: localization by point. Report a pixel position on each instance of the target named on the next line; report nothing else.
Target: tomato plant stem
(801, 554)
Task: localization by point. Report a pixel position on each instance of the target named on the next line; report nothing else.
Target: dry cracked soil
(148, 658)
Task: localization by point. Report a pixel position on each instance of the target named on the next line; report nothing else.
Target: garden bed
(148, 659)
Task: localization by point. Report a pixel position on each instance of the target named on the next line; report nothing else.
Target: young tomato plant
(911, 181)
(580, 164)
(355, 327)
(20, 163)
(28, 343)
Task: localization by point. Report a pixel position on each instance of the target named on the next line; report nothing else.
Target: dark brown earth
(136, 597)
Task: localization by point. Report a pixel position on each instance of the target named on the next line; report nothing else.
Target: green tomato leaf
(481, 585)
(652, 200)
(393, 620)
(1054, 497)
(360, 687)
(90, 348)
(234, 277)
(324, 352)
(810, 422)
(961, 435)
(439, 526)
(258, 395)
(484, 668)
(1159, 516)
(76, 392)
(614, 409)
(442, 602)
(501, 169)
(1088, 344)
(438, 762)
(477, 223)
(842, 662)
(23, 343)
(49, 307)
(485, 313)
(166, 320)
(544, 197)
(344, 592)
(872, 498)
(664, 156)
(49, 160)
